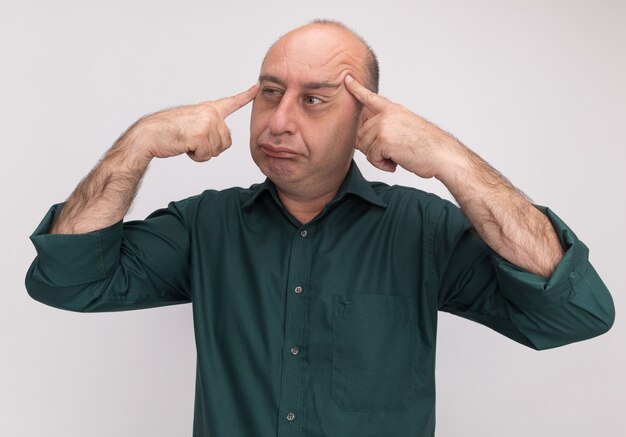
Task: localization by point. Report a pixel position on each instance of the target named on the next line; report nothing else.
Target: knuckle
(370, 154)
(218, 147)
(211, 111)
(197, 137)
(198, 156)
(206, 151)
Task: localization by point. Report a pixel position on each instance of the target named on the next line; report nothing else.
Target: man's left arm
(392, 135)
(519, 232)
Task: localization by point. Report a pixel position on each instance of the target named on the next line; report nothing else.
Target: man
(315, 294)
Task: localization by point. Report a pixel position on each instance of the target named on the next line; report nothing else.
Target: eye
(271, 92)
(312, 100)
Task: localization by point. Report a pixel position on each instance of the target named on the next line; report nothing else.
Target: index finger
(228, 105)
(371, 100)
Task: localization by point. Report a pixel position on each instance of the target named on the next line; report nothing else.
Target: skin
(391, 135)
(104, 196)
(303, 137)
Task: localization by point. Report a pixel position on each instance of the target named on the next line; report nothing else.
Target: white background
(535, 87)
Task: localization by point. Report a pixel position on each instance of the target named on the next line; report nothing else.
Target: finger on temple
(372, 101)
(228, 105)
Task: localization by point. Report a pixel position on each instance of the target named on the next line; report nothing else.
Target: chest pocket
(373, 352)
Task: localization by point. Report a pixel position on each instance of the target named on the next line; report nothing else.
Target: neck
(306, 198)
(305, 208)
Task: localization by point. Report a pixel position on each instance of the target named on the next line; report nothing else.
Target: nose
(283, 119)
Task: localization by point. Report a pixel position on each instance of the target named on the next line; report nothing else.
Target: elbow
(591, 307)
(571, 324)
(52, 297)
(602, 313)
(75, 298)
(605, 323)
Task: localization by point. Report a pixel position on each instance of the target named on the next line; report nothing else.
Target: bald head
(324, 31)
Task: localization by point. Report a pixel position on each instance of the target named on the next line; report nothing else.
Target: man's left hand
(390, 135)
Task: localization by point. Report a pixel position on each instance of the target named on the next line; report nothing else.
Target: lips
(277, 152)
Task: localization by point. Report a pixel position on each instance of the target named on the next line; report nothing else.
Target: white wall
(535, 87)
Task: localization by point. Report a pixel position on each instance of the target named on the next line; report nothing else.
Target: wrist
(455, 164)
(127, 157)
(135, 145)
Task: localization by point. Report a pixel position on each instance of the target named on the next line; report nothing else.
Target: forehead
(315, 54)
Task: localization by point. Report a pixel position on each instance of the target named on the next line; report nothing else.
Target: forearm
(501, 214)
(505, 220)
(104, 196)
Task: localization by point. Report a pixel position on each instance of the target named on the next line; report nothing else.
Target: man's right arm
(104, 196)
(88, 259)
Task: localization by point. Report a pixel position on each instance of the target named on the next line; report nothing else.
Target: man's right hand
(104, 196)
(198, 130)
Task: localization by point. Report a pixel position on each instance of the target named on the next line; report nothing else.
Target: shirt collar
(354, 183)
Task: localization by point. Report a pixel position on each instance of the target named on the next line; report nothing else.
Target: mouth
(277, 152)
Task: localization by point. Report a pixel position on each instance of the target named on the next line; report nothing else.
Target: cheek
(346, 125)
(332, 139)
(258, 121)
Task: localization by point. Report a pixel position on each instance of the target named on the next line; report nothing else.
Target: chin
(277, 169)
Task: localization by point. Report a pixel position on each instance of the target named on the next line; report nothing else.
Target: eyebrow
(308, 85)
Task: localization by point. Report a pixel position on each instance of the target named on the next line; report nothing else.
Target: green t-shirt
(322, 329)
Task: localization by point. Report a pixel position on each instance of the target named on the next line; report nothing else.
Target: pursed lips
(277, 152)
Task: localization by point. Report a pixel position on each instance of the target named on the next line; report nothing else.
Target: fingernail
(349, 78)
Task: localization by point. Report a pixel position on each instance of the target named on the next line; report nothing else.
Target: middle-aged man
(315, 294)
